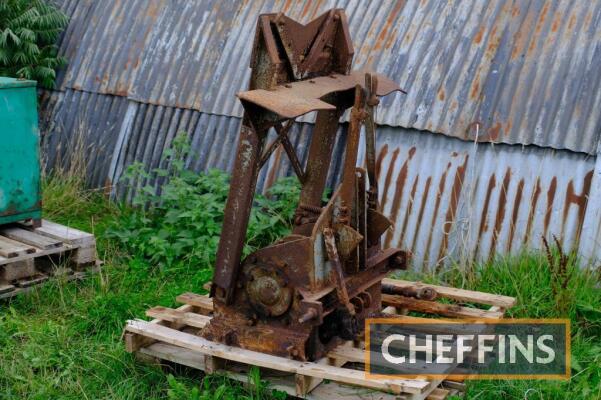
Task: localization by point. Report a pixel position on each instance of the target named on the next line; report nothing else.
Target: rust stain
(390, 20)
(492, 182)
(555, 24)
(514, 215)
(572, 22)
(550, 199)
(494, 132)
(478, 36)
(475, 88)
(383, 153)
(441, 94)
(421, 212)
(392, 38)
(452, 210)
(398, 195)
(409, 209)
(395, 155)
(500, 213)
(493, 42)
(533, 204)
(515, 11)
(441, 186)
(578, 199)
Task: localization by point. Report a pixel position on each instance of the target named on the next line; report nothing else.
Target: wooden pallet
(30, 256)
(173, 336)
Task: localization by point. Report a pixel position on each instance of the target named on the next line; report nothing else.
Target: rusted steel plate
(295, 99)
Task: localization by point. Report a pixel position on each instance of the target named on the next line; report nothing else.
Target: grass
(62, 341)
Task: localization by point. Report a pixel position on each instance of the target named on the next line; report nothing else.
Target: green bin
(20, 197)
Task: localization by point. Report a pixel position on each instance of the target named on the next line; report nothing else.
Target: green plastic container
(20, 197)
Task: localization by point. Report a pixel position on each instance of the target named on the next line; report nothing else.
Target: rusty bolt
(399, 261)
(307, 316)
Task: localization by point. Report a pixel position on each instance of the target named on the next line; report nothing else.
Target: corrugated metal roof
(81, 125)
(511, 72)
(453, 200)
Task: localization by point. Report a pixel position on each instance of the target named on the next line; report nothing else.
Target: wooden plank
(75, 276)
(179, 316)
(438, 394)
(10, 248)
(205, 346)
(458, 294)
(31, 238)
(136, 342)
(432, 307)
(67, 234)
(305, 384)
(31, 281)
(205, 303)
(38, 253)
(6, 288)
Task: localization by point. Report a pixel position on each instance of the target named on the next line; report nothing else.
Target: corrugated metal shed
(524, 72)
(505, 72)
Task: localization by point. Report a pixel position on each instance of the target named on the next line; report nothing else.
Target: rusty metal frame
(301, 295)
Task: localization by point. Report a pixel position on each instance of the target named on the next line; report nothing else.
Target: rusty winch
(304, 294)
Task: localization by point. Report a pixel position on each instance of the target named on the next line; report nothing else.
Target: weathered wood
(6, 288)
(170, 343)
(21, 290)
(31, 281)
(65, 233)
(134, 343)
(213, 364)
(200, 344)
(432, 307)
(204, 303)
(17, 270)
(330, 391)
(10, 248)
(30, 255)
(462, 295)
(31, 238)
(179, 316)
(438, 394)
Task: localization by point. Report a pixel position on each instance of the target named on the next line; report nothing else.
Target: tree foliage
(28, 33)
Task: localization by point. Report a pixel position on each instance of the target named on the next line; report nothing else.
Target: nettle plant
(177, 214)
(29, 30)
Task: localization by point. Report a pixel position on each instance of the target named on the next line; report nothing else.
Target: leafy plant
(178, 221)
(28, 33)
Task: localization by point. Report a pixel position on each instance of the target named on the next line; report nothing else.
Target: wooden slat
(136, 342)
(200, 344)
(432, 307)
(10, 248)
(75, 276)
(38, 253)
(438, 394)
(31, 281)
(31, 238)
(67, 234)
(458, 294)
(205, 303)
(179, 316)
(6, 288)
(331, 391)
